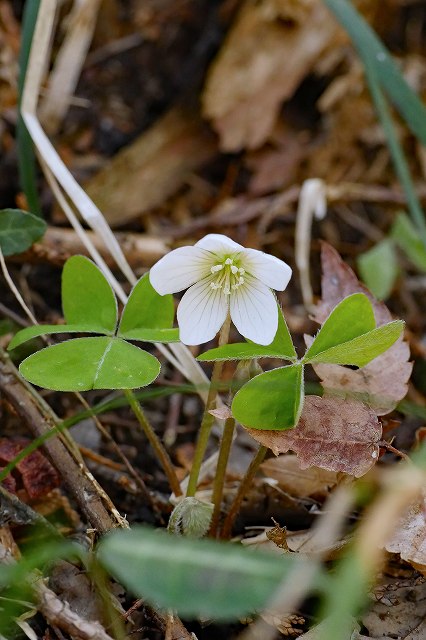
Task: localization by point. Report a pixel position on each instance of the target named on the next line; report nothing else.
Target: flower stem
(155, 442)
(242, 490)
(208, 419)
(219, 480)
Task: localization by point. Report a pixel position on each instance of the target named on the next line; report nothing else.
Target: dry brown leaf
(380, 384)
(399, 611)
(266, 55)
(332, 433)
(152, 168)
(222, 413)
(409, 538)
(313, 482)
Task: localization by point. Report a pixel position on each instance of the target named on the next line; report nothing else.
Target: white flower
(222, 276)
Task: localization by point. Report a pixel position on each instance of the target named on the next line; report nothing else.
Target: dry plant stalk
(68, 64)
(64, 186)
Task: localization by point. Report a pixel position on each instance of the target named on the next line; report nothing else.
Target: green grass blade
(26, 156)
(398, 157)
(373, 51)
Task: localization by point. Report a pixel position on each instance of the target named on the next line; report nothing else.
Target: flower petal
(219, 244)
(201, 313)
(254, 311)
(179, 269)
(270, 270)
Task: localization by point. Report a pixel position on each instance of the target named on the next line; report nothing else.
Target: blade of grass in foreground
(398, 157)
(26, 156)
(383, 74)
(373, 51)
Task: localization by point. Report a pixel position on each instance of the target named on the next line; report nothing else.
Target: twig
(40, 419)
(242, 490)
(208, 418)
(68, 63)
(155, 443)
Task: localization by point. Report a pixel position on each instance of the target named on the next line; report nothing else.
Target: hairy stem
(242, 490)
(161, 453)
(219, 480)
(208, 419)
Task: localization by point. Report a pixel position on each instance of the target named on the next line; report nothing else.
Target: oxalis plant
(225, 283)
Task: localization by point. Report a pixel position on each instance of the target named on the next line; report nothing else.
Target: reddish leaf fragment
(333, 434)
(380, 384)
(37, 474)
(409, 538)
(9, 483)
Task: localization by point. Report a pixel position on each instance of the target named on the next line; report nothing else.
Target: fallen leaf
(265, 57)
(399, 610)
(74, 586)
(37, 474)
(380, 384)
(332, 433)
(409, 538)
(153, 167)
(308, 483)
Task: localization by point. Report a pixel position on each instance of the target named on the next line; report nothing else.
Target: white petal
(270, 270)
(219, 244)
(201, 313)
(254, 311)
(179, 269)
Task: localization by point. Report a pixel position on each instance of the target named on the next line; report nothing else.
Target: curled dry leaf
(266, 56)
(380, 384)
(332, 433)
(409, 538)
(37, 474)
(221, 413)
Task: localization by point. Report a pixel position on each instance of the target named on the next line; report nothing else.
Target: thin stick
(14, 289)
(219, 479)
(208, 418)
(68, 63)
(41, 420)
(242, 490)
(132, 471)
(155, 442)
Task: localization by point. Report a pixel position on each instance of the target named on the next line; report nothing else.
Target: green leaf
(281, 347)
(379, 268)
(19, 230)
(351, 318)
(90, 363)
(152, 335)
(271, 400)
(361, 350)
(48, 329)
(87, 297)
(407, 238)
(197, 578)
(146, 309)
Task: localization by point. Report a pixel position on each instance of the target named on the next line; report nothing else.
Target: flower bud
(191, 518)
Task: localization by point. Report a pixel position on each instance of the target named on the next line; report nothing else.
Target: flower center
(228, 276)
